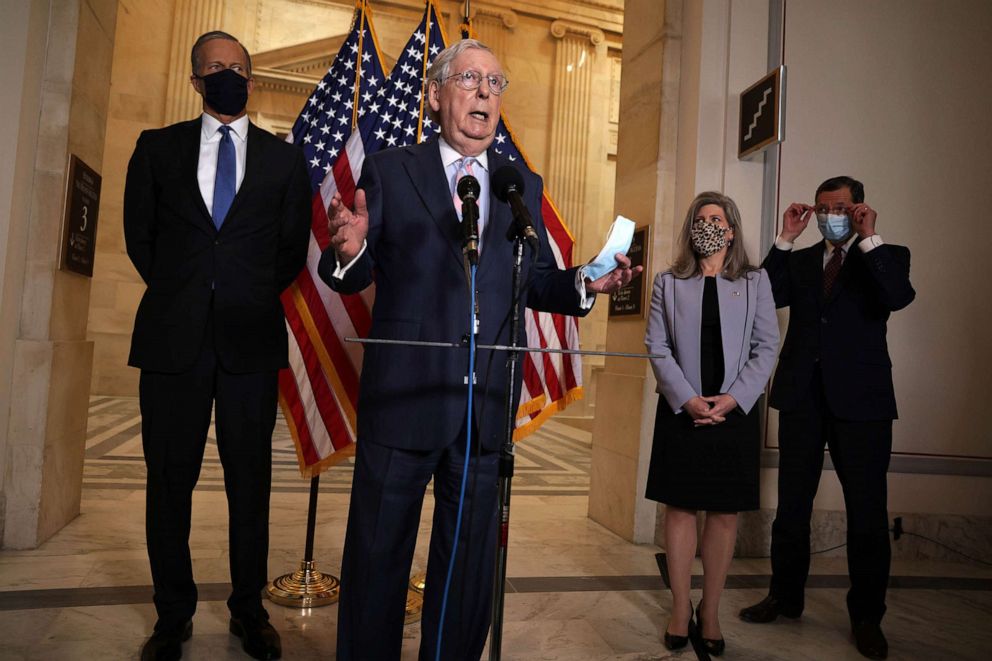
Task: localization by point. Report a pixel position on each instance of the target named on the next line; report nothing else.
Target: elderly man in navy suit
(217, 222)
(412, 405)
(833, 387)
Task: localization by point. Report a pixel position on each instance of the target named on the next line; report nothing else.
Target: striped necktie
(831, 270)
(224, 183)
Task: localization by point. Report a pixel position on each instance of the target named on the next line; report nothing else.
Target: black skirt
(705, 468)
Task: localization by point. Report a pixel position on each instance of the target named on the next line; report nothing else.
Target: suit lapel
(734, 301)
(426, 171)
(190, 155)
(688, 329)
(499, 220)
(254, 166)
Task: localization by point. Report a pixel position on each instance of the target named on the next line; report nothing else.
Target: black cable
(949, 548)
(901, 532)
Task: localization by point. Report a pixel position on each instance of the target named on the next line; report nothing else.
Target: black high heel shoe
(715, 646)
(674, 642)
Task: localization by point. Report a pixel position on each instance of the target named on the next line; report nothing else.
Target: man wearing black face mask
(833, 387)
(216, 220)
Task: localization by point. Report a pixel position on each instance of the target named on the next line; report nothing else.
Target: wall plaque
(762, 116)
(629, 301)
(82, 206)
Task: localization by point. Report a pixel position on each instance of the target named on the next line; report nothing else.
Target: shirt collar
(210, 124)
(449, 155)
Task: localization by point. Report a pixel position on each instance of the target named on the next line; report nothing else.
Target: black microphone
(508, 184)
(468, 192)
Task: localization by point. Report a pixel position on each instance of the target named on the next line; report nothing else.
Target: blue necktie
(224, 183)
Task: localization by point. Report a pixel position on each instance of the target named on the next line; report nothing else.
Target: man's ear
(433, 95)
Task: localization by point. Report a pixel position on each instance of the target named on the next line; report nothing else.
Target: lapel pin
(737, 293)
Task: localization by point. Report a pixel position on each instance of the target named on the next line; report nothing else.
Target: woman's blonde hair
(736, 263)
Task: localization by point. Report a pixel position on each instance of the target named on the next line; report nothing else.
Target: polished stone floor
(575, 590)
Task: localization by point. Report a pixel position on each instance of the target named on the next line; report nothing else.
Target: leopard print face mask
(707, 238)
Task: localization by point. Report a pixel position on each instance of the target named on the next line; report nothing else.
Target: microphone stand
(506, 458)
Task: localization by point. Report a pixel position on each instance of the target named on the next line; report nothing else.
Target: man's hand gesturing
(348, 228)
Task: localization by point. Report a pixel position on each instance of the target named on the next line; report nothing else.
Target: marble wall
(60, 73)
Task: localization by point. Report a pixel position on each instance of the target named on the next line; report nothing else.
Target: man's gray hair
(440, 68)
(194, 55)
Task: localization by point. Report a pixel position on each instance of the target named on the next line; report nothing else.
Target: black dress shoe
(258, 639)
(767, 610)
(674, 642)
(166, 644)
(870, 640)
(714, 646)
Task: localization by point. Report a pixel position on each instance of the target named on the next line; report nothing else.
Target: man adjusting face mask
(835, 226)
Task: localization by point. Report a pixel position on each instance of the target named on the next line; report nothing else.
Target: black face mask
(225, 91)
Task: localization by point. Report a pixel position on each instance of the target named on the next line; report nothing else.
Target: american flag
(319, 392)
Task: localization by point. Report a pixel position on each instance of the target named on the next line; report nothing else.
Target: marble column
(645, 190)
(567, 176)
(191, 19)
(59, 63)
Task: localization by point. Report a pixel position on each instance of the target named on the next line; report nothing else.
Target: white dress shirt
(206, 167)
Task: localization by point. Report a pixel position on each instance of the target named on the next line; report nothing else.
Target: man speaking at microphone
(406, 228)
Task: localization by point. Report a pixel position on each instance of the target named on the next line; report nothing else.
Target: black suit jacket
(845, 333)
(416, 398)
(195, 273)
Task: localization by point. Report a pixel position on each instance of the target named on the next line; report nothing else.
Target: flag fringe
(524, 431)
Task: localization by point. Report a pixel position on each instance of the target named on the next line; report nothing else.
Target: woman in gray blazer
(713, 319)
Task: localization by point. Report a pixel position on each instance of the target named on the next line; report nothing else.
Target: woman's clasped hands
(710, 410)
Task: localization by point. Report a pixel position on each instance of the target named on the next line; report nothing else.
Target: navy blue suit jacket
(416, 398)
(846, 332)
(197, 274)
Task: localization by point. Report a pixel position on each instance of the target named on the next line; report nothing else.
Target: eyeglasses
(839, 209)
(472, 80)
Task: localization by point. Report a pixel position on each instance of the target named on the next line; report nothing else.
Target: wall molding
(560, 29)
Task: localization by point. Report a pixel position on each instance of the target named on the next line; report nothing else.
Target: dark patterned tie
(831, 270)
(224, 183)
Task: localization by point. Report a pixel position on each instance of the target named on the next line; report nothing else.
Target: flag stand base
(304, 588)
(415, 598)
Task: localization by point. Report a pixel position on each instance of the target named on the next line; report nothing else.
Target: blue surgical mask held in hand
(835, 227)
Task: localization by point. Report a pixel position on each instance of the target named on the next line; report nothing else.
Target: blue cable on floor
(468, 453)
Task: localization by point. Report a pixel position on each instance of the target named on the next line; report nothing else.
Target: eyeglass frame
(493, 89)
(836, 208)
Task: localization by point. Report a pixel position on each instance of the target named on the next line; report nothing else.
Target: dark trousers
(175, 417)
(386, 499)
(860, 453)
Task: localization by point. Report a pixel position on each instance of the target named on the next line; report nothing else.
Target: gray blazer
(748, 326)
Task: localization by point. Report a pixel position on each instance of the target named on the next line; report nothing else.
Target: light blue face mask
(834, 227)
